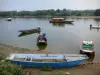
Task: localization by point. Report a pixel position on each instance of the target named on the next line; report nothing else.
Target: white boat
(87, 47)
(94, 27)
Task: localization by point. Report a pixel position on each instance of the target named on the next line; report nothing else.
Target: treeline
(51, 12)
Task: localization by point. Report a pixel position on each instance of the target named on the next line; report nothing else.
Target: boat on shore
(60, 20)
(52, 60)
(87, 47)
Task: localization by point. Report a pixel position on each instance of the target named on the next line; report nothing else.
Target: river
(63, 38)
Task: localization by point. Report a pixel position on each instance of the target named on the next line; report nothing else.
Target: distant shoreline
(80, 17)
(89, 16)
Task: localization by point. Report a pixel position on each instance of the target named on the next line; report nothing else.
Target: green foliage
(2, 56)
(50, 12)
(46, 68)
(97, 12)
(6, 68)
(60, 73)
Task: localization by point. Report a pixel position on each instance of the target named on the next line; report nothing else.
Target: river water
(62, 38)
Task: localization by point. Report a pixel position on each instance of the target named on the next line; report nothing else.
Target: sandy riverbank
(7, 49)
(82, 69)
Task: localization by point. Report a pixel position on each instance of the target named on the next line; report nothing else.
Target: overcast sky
(48, 4)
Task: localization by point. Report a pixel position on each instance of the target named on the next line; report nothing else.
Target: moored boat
(94, 27)
(53, 60)
(9, 19)
(60, 20)
(87, 47)
(42, 40)
(37, 30)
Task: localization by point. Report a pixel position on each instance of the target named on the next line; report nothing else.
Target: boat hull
(69, 22)
(94, 27)
(41, 43)
(30, 31)
(51, 64)
(86, 52)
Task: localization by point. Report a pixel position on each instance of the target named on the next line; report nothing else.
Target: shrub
(6, 68)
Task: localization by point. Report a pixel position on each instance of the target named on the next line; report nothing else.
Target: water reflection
(95, 29)
(58, 24)
(97, 19)
(42, 46)
(25, 34)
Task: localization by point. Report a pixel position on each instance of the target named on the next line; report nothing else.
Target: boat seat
(28, 58)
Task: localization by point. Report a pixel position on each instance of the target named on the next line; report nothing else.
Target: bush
(2, 56)
(46, 68)
(6, 68)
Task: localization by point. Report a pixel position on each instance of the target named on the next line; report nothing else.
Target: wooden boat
(87, 47)
(52, 60)
(37, 30)
(60, 20)
(29, 33)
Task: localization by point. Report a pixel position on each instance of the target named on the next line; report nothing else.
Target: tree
(97, 12)
(58, 10)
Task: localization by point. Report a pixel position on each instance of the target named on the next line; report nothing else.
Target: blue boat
(53, 60)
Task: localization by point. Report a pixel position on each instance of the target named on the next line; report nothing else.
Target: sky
(31, 5)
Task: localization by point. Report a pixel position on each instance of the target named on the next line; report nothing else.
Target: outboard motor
(90, 25)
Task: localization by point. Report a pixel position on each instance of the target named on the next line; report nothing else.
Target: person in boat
(44, 37)
(39, 37)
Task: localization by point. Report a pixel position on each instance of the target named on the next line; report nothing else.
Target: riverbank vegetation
(50, 13)
(7, 68)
